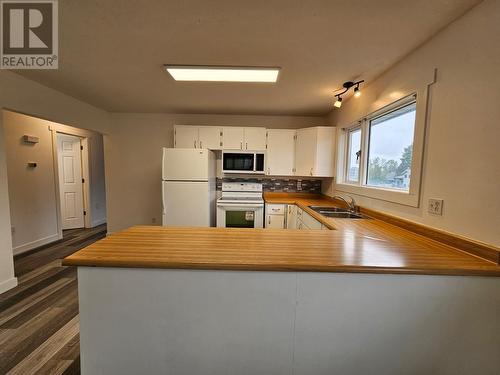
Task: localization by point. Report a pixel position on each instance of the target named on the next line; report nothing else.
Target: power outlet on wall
(435, 206)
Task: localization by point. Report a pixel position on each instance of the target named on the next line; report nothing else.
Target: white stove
(241, 205)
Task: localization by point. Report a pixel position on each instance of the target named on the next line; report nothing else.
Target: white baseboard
(8, 284)
(95, 223)
(33, 244)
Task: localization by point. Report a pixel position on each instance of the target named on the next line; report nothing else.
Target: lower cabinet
(275, 221)
(275, 216)
(289, 216)
(306, 221)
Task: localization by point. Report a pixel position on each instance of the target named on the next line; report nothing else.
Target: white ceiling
(112, 51)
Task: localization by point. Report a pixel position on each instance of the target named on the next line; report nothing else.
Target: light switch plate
(435, 206)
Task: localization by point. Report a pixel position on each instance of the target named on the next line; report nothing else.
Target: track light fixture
(347, 85)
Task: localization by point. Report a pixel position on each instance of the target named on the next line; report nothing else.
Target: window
(354, 155)
(390, 149)
(381, 155)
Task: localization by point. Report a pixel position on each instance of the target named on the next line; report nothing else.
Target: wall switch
(435, 206)
(12, 229)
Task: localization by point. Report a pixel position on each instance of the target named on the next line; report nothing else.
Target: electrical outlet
(153, 220)
(435, 206)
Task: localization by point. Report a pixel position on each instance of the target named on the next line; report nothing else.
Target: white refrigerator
(189, 187)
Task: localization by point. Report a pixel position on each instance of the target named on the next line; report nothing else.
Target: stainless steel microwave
(243, 162)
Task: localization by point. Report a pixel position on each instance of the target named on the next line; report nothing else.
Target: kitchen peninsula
(249, 301)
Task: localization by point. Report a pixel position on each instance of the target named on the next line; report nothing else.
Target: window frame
(410, 197)
(349, 131)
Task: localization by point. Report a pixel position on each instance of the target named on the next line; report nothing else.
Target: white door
(255, 139)
(280, 152)
(70, 181)
(209, 137)
(305, 152)
(186, 204)
(232, 138)
(186, 137)
(183, 164)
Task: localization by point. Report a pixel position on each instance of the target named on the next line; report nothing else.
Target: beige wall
(461, 160)
(7, 279)
(33, 191)
(133, 147)
(22, 95)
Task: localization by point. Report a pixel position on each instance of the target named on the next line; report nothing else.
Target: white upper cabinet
(255, 139)
(233, 138)
(302, 152)
(210, 137)
(238, 138)
(314, 152)
(280, 152)
(186, 136)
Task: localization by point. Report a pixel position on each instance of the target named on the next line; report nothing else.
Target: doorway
(71, 180)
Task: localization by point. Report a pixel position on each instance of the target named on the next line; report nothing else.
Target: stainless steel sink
(335, 212)
(327, 209)
(342, 215)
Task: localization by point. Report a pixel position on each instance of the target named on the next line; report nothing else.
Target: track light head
(357, 92)
(338, 102)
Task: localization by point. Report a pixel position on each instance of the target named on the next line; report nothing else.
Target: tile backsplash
(287, 185)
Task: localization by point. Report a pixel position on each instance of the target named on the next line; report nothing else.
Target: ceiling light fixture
(357, 92)
(195, 73)
(347, 85)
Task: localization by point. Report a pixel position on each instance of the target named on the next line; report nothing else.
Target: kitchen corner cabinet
(197, 137)
(314, 151)
(280, 152)
(306, 221)
(238, 138)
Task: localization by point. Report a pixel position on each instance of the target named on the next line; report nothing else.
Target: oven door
(236, 215)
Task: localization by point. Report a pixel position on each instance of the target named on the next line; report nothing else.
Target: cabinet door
(255, 139)
(325, 152)
(186, 137)
(275, 221)
(209, 137)
(291, 216)
(232, 138)
(305, 152)
(280, 152)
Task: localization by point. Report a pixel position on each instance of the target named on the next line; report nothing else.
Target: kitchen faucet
(351, 205)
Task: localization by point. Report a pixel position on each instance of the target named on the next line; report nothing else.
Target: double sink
(335, 212)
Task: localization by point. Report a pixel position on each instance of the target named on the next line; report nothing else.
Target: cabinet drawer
(275, 209)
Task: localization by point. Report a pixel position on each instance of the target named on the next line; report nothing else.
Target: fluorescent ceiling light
(222, 73)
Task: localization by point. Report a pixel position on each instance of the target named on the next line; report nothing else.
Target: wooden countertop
(365, 246)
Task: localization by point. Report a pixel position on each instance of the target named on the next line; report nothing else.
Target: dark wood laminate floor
(39, 331)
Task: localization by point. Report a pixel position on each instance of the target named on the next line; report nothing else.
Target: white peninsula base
(160, 321)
